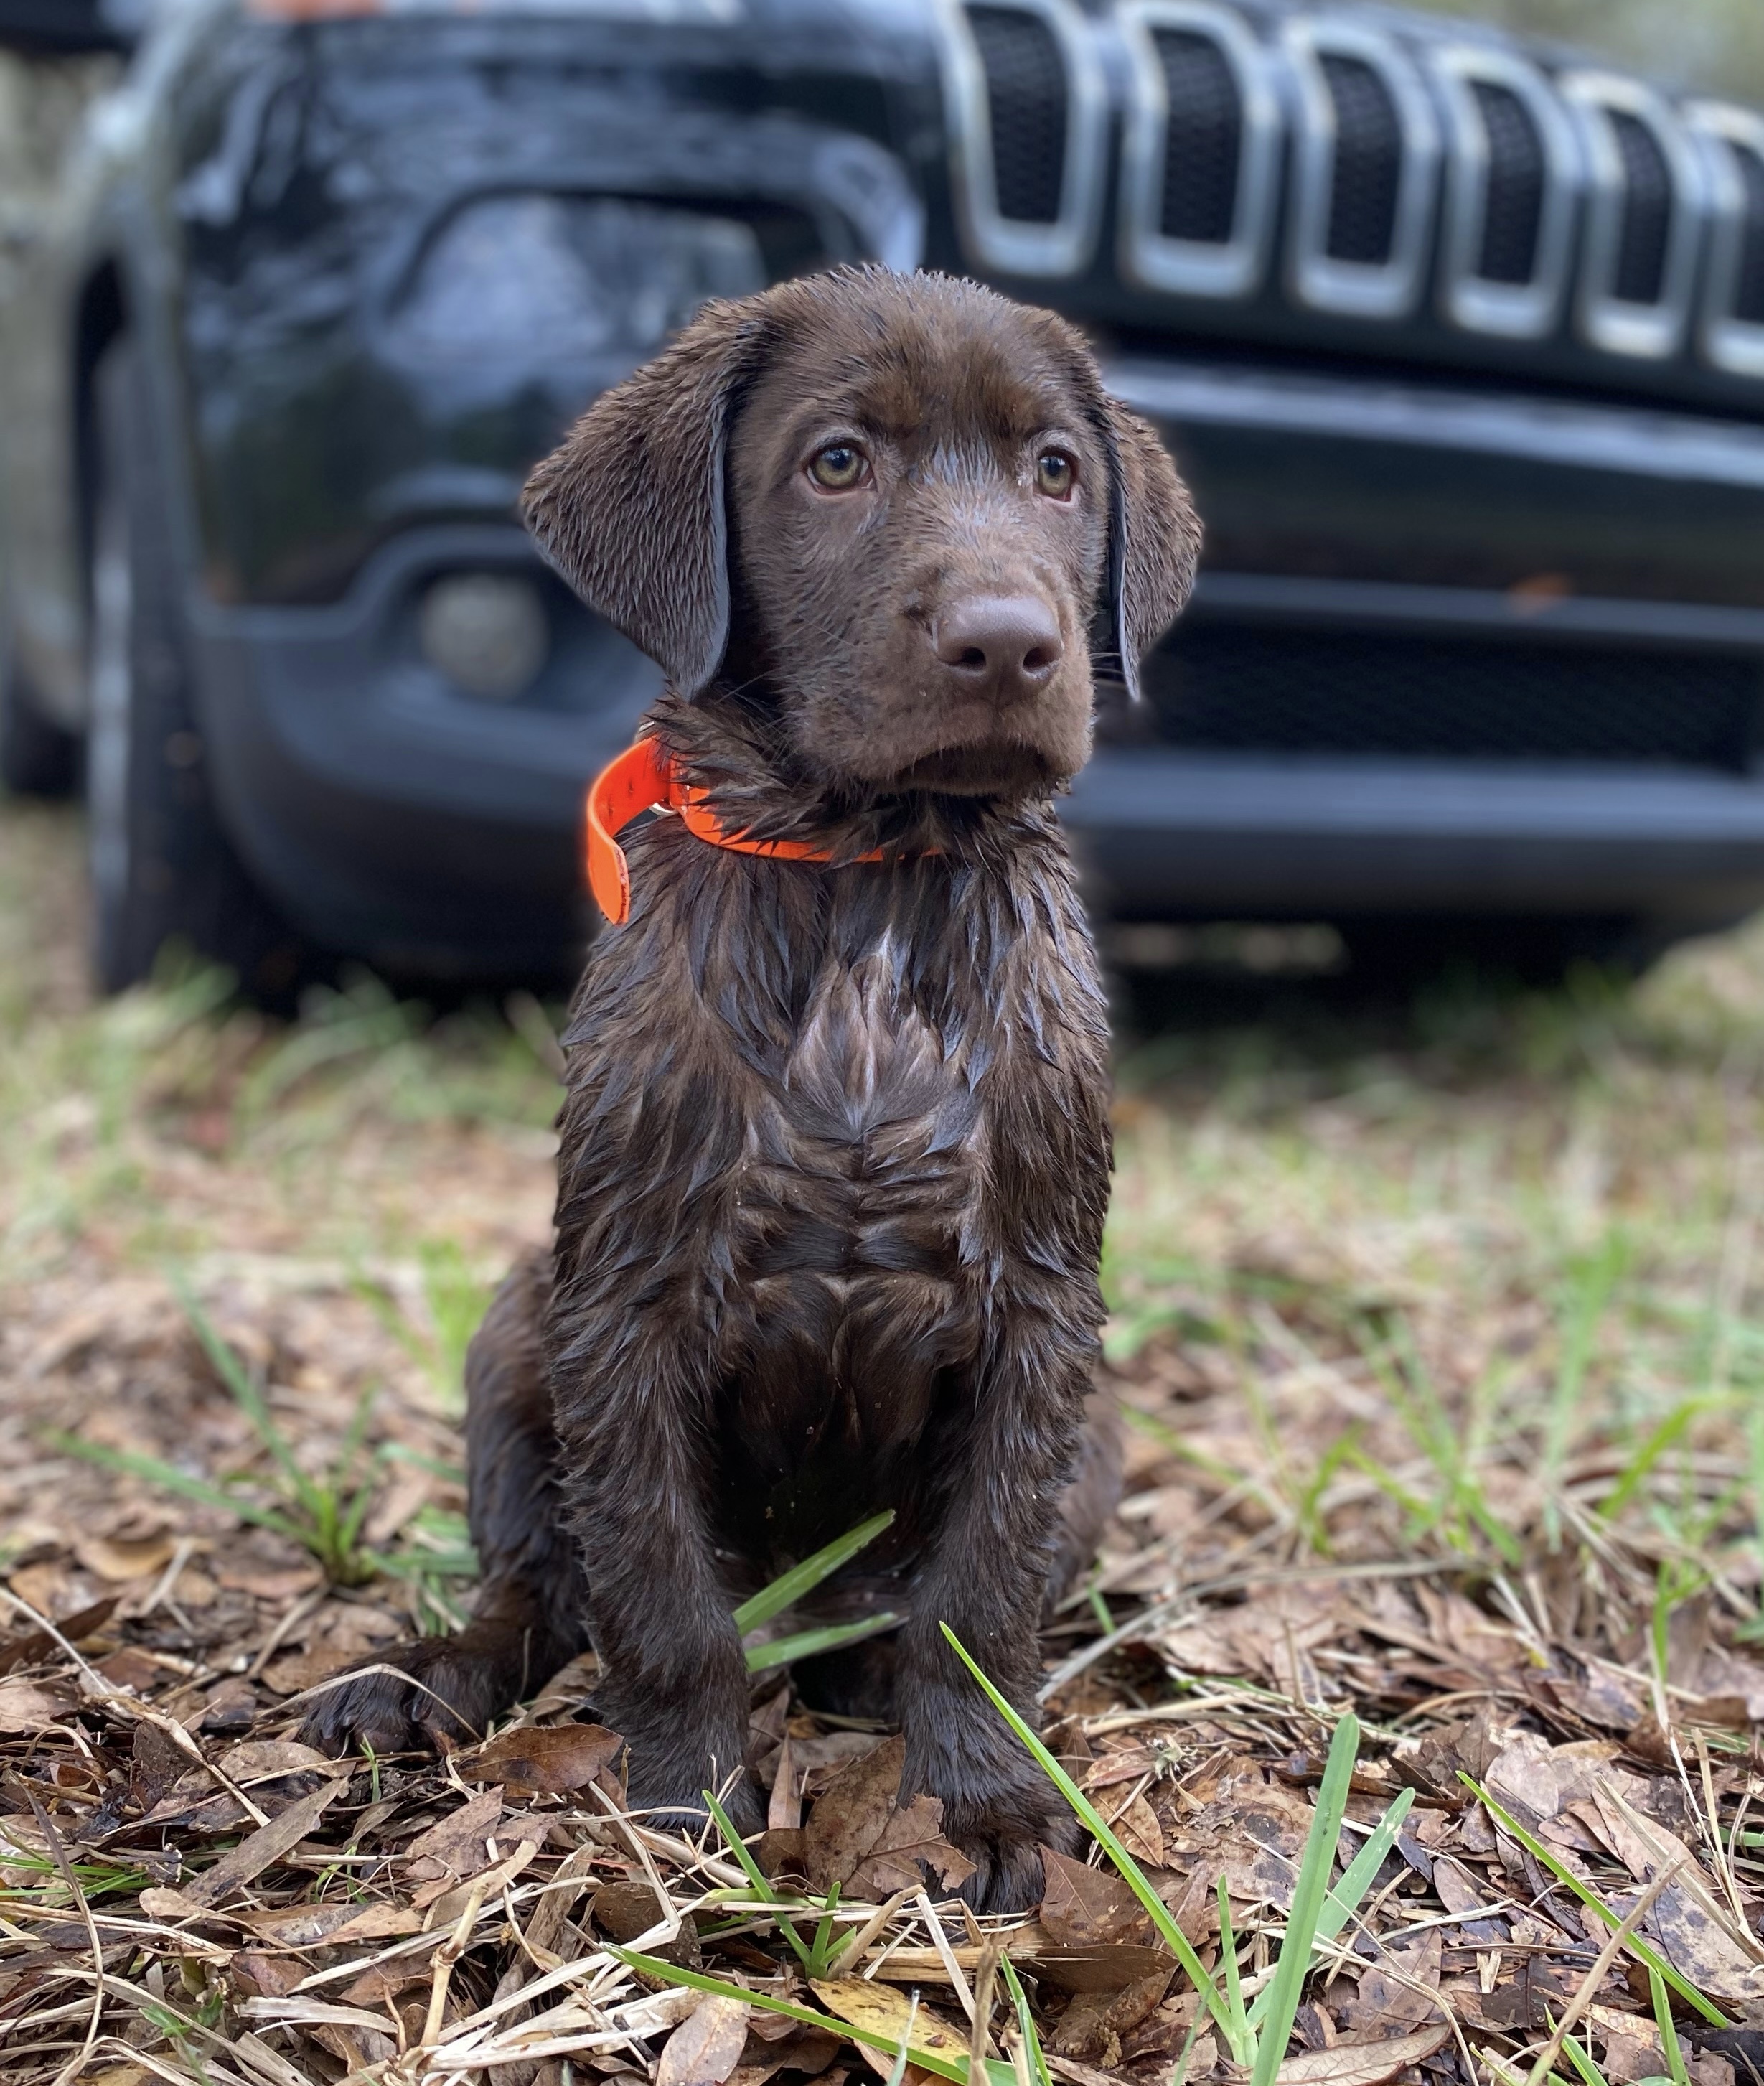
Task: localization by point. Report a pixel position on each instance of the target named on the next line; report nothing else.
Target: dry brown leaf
(117, 1560)
(551, 1760)
(455, 1845)
(309, 1926)
(1091, 2029)
(707, 2045)
(1389, 1999)
(259, 1850)
(30, 1705)
(1136, 1827)
(1360, 2063)
(1082, 1906)
(856, 1837)
(1463, 1893)
(264, 1760)
(1683, 1918)
(442, 1904)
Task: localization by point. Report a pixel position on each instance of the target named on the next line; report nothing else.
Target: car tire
(37, 758)
(162, 870)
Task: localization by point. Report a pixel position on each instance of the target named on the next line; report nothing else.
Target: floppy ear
(630, 509)
(1153, 542)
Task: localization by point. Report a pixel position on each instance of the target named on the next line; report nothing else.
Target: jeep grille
(1429, 172)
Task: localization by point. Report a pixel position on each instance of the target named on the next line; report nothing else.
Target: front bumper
(390, 816)
(1169, 834)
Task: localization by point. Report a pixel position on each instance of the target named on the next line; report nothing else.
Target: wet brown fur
(835, 1147)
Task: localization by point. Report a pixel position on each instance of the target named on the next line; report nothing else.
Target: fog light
(487, 631)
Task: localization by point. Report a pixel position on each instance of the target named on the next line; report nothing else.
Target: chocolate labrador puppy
(835, 1154)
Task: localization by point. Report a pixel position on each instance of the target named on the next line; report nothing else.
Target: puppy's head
(900, 509)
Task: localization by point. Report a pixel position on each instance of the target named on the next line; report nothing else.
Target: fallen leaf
(1136, 1827)
(860, 1837)
(886, 2011)
(157, 1763)
(442, 1905)
(809, 2050)
(264, 1760)
(117, 1560)
(1091, 2029)
(29, 1645)
(309, 1926)
(1388, 1997)
(1682, 1918)
(551, 1760)
(626, 1912)
(707, 2045)
(1360, 2063)
(1082, 1905)
(257, 1851)
(28, 1705)
(1461, 1893)
(455, 1845)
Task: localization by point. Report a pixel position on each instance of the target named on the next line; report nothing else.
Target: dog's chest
(856, 1213)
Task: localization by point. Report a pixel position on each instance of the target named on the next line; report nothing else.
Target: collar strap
(643, 778)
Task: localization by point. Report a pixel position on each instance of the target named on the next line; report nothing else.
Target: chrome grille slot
(1368, 163)
(1647, 210)
(1365, 166)
(1201, 150)
(1204, 141)
(1025, 97)
(1513, 215)
(1645, 207)
(1749, 292)
(1512, 181)
(1028, 109)
(1732, 142)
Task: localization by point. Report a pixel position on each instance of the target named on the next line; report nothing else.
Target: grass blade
(1569, 1880)
(757, 1876)
(248, 1397)
(810, 1644)
(998, 2073)
(1158, 1913)
(803, 1579)
(1294, 1961)
(1669, 2033)
(172, 1479)
(1026, 2024)
(1343, 1900)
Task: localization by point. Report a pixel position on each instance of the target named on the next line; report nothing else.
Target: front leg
(985, 1575)
(637, 1439)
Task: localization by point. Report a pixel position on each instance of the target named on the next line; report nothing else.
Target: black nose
(1003, 646)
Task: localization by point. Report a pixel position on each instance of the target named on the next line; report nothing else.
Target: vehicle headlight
(487, 631)
(550, 275)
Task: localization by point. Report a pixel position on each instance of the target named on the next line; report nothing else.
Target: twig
(76, 2064)
(980, 2045)
(446, 1957)
(941, 1942)
(1602, 1962)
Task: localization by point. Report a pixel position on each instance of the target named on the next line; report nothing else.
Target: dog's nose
(1004, 645)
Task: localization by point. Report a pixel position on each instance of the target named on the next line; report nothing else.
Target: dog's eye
(1054, 473)
(838, 466)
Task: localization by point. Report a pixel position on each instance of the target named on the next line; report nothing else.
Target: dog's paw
(435, 1693)
(1002, 1834)
(663, 1803)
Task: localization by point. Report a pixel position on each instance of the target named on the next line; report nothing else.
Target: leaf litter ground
(1435, 1336)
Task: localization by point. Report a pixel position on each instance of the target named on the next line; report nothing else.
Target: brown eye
(1054, 475)
(839, 467)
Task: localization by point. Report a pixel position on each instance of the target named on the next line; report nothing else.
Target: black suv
(1460, 343)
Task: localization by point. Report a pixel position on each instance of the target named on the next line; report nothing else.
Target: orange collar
(641, 779)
